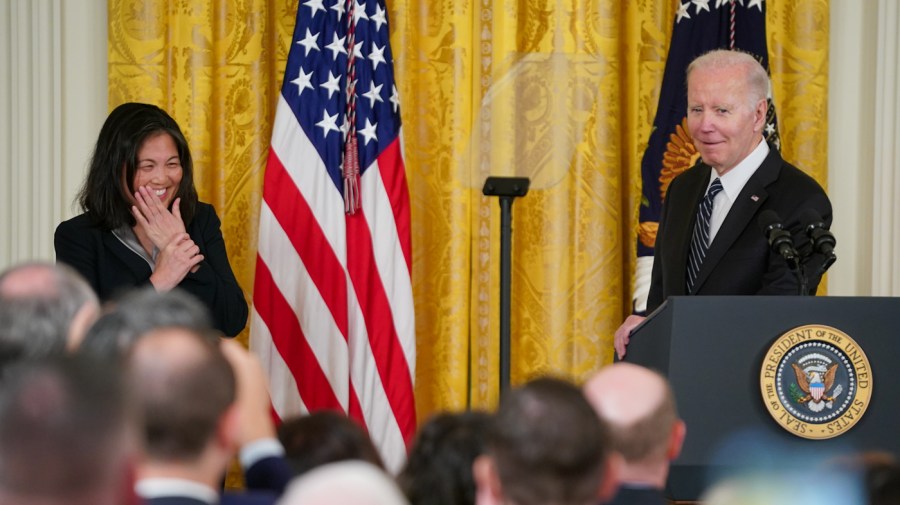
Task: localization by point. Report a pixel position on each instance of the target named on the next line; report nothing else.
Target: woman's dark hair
(439, 468)
(103, 195)
(325, 437)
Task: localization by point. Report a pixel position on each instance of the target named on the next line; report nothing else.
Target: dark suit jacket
(628, 495)
(226, 499)
(739, 261)
(272, 474)
(110, 267)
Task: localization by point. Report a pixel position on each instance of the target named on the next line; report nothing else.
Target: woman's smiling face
(158, 168)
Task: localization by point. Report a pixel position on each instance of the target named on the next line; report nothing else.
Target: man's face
(725, 124)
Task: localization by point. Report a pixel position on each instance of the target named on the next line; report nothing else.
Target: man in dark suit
(710, 241)
(201, 399)
(639, 407)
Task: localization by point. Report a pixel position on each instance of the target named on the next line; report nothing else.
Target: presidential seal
(816, 381)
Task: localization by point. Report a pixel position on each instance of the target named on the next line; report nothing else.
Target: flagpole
(507, 188)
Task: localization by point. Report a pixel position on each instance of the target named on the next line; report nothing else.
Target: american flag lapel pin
(754, 198)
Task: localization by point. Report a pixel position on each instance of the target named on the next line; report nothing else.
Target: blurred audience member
(879, 472)
(439, 468)
(139, 311)
(196, 397)
(44, 309)
(325, 437)
(68, 435)
(638, 405)
(546, 445)
(344, 483)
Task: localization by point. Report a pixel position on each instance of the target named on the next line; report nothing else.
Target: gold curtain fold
(561, 91)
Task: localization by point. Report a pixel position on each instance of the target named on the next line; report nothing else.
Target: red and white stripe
(333, 312)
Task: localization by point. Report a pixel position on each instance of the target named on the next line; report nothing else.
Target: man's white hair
(757, 78)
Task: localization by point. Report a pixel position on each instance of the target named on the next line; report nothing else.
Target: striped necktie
(700, 237)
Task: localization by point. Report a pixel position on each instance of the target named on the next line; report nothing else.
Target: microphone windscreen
(767, 219)
(809, 217)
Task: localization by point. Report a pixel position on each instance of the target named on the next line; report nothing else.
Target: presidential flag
(332, 302)
(699, 27)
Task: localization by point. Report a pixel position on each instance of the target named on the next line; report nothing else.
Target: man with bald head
(44, 309)
(639, 407)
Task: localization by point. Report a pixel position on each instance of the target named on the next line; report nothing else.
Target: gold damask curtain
(561, 91)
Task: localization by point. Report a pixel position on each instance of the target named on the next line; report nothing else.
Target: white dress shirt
(732, 183)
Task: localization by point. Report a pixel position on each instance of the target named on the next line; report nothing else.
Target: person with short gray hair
(44, 309)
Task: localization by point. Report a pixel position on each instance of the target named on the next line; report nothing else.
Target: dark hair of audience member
(325, 437)
(879, 472)
(548, 444)
(183, 387)
(115, 158)
(35, 318)
(439, 468)
(139, 311)
(67, 432)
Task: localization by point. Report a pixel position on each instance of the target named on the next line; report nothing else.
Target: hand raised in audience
(252, 394)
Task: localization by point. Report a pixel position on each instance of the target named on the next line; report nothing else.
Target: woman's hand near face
(180, 256)
(152, 215)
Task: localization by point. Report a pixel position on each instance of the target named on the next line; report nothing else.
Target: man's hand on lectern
(623, 334)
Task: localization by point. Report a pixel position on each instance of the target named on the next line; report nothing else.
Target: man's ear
(612, 475)
(676, 440)
(228, 429)
(762, 110)
(488, 490)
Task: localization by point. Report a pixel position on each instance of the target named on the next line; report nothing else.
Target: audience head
(325, 437)
(139, 311)
(726, 106)
(344, 483)
(545, 444)
(68, 434)
(879, 473)
(439, 468)
(638, 406)
(44, 309)
(883, 483)
(185, 388)
(107, 194)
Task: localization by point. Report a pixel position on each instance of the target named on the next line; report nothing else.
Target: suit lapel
(741, 214)
(137, 265)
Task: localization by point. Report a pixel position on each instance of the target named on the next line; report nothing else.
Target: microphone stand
(802, 279)
(507, 188)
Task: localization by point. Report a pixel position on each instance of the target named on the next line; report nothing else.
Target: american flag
(332, 302)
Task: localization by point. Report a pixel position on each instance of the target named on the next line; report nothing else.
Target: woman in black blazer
(142, 221)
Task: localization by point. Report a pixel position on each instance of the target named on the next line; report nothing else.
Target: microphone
(822, 239)
(779, 239)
